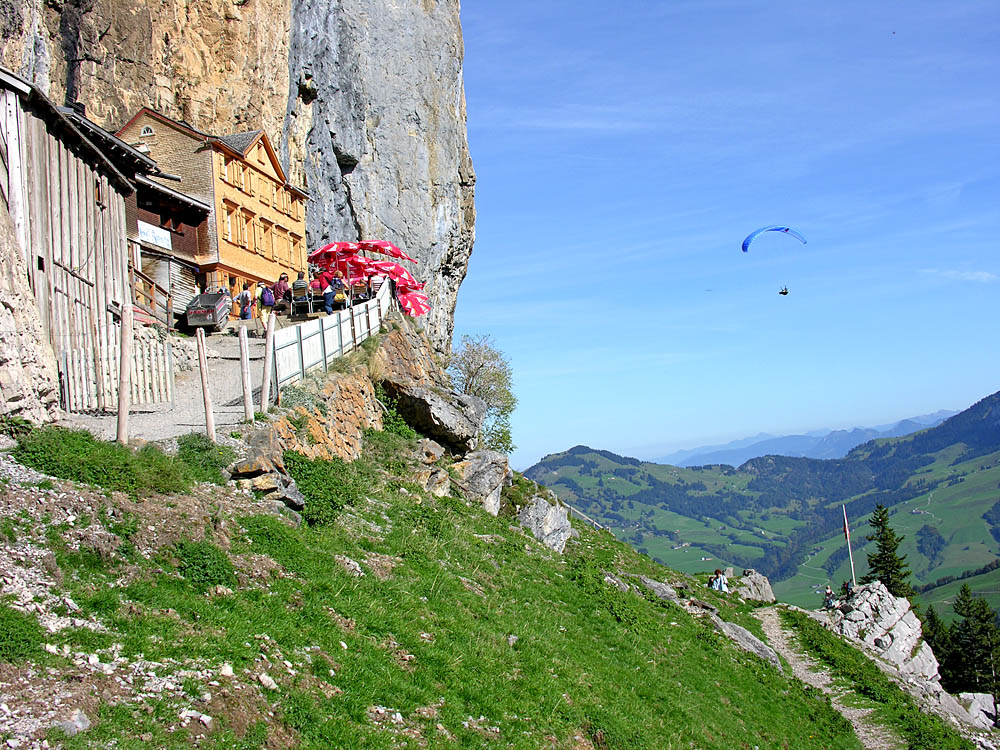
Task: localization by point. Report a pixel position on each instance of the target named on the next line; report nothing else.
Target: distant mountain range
(783, 515)
(815, 444)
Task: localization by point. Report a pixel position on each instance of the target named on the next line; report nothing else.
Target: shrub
(14, 427)
(79, 456)
(203, 564)
(328, 485)
(392, 420)
(203, 458)
(20, 635)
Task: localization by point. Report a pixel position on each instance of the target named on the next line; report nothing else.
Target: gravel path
(187, 413)
(872, 736)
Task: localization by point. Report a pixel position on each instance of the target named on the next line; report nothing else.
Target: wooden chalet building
(256, 229)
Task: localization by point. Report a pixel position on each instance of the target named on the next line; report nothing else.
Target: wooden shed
(67, 203)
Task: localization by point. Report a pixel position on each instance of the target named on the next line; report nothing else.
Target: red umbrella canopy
(397, 273)
(414, 303)
(384, 247)
(331, 250)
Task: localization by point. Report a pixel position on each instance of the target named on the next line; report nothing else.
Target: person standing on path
(245, 302)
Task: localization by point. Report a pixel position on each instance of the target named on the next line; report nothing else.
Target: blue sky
(623, 153)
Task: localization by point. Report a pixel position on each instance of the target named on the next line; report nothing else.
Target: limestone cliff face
(29, 383)
(366, 97)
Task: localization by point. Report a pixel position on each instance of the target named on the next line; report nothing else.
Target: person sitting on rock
(828, 598)
(719, 582)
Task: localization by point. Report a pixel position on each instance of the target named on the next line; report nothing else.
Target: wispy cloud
(956, 275)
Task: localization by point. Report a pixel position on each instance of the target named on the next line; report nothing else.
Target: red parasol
(397, 273)
(332, 250)
(384, 247)
(414, 303)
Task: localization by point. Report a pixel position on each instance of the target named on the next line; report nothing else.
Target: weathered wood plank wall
(71, 221)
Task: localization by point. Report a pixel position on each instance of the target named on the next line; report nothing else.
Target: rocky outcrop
(888, 630)
(755, 587)
(407, 368)
(886, 626)
(331, 422)
(365, 98)
(482, 476)
(29, 382)
(548, 522)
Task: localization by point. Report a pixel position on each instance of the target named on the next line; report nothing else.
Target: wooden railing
(151, 297)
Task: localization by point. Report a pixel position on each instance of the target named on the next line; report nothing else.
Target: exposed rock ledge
(889, 631)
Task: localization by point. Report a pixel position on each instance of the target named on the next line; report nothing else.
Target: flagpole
(847, 535)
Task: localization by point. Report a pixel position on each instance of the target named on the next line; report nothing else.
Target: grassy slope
(430, 640)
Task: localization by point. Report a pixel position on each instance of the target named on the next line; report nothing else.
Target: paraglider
(786, 230)
(784, 291)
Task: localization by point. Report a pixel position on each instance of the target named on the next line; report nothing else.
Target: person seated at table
(341, 297)
(300, 290)
(282, 290)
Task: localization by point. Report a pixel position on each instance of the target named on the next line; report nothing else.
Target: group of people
(258, 299)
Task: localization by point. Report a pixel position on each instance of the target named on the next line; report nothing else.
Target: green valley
(784, 516)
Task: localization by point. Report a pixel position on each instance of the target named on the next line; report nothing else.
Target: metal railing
(307, 346)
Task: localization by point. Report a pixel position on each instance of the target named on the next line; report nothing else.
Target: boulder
(755, 587)
(436, 481)
(661, 590)
(453, 418)
(428, 451)
(746, 640)
(252, 467)
(549, 523)
(981, 707)
(482, 475)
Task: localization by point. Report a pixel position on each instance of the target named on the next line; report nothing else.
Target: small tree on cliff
(478, 368)
(886, 564)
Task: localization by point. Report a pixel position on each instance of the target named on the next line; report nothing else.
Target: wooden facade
(67, 203)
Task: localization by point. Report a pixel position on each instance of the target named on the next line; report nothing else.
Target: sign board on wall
(154, 235)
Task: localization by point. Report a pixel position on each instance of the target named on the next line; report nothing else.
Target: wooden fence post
(265, 386)
(203, 365)
(245, 374)
(125, 370)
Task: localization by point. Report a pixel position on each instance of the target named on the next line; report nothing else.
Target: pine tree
(938, 637)
(975, 646)
(886, 564)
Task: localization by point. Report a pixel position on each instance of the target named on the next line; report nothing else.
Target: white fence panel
(312, 345)
(316, 343)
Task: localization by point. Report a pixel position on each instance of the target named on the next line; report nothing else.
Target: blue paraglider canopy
(786, 230)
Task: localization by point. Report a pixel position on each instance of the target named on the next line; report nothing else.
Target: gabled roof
(237, 144)
(240, 142)
(184, 127)
(111, 143)
(33, 95)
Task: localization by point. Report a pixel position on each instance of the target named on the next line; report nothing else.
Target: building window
(228, 228)
(267, 240)
(246, 228)
(146, 130)
(260, 153)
